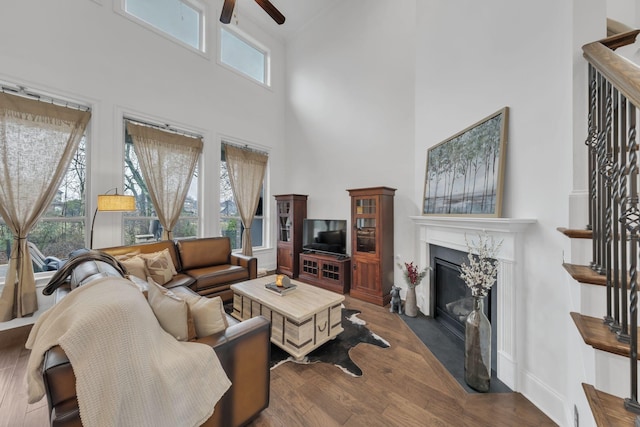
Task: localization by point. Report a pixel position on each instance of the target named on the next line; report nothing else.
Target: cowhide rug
(336, 351)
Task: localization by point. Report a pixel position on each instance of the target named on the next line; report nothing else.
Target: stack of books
(280, 290)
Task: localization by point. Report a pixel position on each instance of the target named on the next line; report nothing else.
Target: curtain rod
(165, 127)
(245, 147)
(25, 93)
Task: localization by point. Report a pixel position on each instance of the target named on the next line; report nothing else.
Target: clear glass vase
(477, 348)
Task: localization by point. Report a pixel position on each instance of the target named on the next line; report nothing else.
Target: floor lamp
(112, 203)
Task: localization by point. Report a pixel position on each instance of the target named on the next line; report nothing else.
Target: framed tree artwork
(465, 173)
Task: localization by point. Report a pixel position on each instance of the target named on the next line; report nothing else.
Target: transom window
(180, 19)
(240, 53)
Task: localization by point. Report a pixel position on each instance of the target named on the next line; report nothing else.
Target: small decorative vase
(410, 306)
(477, 348)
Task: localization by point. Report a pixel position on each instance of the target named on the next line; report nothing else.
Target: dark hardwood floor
(403, 385)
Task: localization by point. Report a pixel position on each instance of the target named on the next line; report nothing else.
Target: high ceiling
(297, 12)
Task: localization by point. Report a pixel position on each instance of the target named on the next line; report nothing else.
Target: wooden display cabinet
(329, 272)
(291, 211)
(372, 266)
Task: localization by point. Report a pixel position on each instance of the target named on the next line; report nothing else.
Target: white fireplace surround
(450, 232)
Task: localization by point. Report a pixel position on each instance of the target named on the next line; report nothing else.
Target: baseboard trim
(507, 369)
(544, 397)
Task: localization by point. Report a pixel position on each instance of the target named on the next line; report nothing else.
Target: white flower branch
(481, 271)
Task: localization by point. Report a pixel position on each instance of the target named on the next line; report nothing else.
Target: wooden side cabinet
(326, 271)
(291, 211)
(372, 244)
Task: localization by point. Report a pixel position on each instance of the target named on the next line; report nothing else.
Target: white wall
(495, 54)
(349, 120)
(351, 78)
(82, 49)
(625, 11)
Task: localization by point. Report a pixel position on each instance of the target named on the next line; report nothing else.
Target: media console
(331, 272)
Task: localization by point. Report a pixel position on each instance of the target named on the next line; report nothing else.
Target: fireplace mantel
(451, 232)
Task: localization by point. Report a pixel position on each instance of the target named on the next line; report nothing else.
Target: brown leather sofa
(243, 349)
(205, 265)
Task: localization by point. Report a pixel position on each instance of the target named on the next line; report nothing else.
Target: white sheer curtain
(246, 173)
(37, 142)
(167, 162)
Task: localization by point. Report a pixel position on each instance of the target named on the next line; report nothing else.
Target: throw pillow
(167, 255)
(136, 267)
(124, 257)
(172, 312)
(158, 268)
(208, 314)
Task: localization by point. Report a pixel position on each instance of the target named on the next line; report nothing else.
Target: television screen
(325, 235)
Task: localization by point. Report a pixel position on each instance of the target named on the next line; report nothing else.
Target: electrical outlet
(576, 417)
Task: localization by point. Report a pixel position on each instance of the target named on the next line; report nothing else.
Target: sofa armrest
(244, 351)
(248, 262)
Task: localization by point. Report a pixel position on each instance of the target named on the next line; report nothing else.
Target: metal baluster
(590, 142)
(633, 225)
(599, 150)
(613, 274)
(604, 189)
(591, 131)
(623, 333)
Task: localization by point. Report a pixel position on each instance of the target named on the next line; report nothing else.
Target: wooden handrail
(624, 75)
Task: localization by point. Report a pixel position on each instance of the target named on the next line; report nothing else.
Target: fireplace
(452, 300)
(451, 233)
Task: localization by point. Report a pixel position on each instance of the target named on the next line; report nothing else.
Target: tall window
(143, 224)
(241, 54)
(230, 222)
(61, 229)
(182, 20)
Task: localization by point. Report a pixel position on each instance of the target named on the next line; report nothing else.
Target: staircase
(610, 279)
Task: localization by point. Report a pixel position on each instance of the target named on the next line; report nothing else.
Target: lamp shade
(116, 203)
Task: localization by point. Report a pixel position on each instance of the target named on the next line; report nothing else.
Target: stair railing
(614, 201)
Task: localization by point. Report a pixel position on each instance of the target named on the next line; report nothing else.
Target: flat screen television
(325, 235)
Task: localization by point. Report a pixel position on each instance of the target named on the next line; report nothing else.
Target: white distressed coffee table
(301, 320)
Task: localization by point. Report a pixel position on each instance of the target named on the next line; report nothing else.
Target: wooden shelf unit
(329, 272)
(291, 211)
(372, 244)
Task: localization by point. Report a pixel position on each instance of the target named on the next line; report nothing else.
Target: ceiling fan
(227, 11)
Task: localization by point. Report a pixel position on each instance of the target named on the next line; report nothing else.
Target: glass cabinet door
(284, 221)
(365, 225)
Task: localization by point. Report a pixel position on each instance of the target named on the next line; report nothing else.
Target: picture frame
(464, 174)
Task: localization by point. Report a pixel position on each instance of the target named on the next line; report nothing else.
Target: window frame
(265, 196)
(180, 129)
(236, 32)
(119, 6)
(86, 217)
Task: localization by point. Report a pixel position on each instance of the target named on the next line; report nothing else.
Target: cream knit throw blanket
(129, 371)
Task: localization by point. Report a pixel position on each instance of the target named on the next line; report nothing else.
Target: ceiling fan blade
(227, 11)
(272, 11)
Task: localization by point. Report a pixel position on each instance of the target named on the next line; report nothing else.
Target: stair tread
(598, 335)
(607, 409)
(576, 233)
(584, 274)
